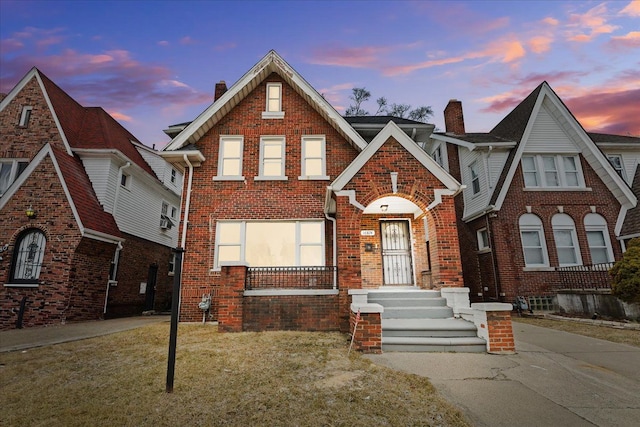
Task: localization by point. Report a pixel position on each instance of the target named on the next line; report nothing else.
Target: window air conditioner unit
(165, 224)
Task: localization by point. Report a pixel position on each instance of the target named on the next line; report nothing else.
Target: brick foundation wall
(291, 312)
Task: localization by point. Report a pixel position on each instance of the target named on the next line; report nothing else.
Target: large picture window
(27, 259)
(270, 243)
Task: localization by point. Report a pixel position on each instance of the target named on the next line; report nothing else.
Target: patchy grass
(604, 332)
(241, 379)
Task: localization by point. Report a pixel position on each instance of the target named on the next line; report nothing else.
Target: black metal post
(23, 304)
(175, 304)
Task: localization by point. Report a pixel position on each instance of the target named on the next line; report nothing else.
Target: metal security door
(396, 253)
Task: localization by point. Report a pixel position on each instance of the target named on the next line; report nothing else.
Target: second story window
(125, 180)
(25, 116)
(272, 154)
(174, 174)
(483, 239)
(437, 155)
(9, 171)
(552, 171)
(273, 107)
(475, 178)
(616, 162)
(314, 165)
(230, 158)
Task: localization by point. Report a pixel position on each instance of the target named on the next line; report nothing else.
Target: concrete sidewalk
(21, 339)
(555, 379)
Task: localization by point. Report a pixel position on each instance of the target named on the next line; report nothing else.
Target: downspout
(116, 256)
(335, 234)
(493, 253)
(335, 251)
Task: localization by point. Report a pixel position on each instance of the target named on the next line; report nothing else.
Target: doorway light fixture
(384, 208)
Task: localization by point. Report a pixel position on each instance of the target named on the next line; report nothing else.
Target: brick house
(87, 212)
(542, 197)
(289, 207)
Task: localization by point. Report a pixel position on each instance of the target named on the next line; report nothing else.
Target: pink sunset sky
(155, 63)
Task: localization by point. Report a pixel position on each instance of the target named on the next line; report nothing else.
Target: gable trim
(271, 62)
(626, 199)
(391, 130)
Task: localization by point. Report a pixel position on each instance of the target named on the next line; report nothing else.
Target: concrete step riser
(427, 333)
(417, 313)
(435, 348)
(404, 302)
(404, 295)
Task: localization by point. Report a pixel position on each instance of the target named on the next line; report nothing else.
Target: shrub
(626, 274)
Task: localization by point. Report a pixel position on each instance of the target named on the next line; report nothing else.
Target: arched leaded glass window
(27, 259)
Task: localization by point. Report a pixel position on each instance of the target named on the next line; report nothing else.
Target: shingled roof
(91, 127)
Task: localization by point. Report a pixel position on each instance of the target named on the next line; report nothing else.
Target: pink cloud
(540, 44)
(632, 9)
(629, 41)
(356, 57)
(187, 40)
(10, 45)
(120, 116)
(594, 21)
(550, 21)
(163, 43)
(608, 112)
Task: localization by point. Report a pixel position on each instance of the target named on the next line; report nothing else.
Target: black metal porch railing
(291, 278)
(581, 277)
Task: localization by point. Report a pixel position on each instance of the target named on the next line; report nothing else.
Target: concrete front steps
(420, 321)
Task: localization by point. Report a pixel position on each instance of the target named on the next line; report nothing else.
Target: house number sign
(367, 232)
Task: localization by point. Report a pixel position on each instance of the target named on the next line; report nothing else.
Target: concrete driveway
(555, 379)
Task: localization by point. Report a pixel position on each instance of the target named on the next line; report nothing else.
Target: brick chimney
(453, 118)
(221, 88)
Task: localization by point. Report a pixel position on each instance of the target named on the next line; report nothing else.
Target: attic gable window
(25, 116)
(616, 162)
(552, 171)
(273, 107)
(230, 159)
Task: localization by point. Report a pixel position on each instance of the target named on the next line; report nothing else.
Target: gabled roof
(518, 125)
(92, 220)
(81, 127)
(271, 63)
(391, 130)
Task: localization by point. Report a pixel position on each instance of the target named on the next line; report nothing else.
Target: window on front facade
(273, 108)
(313, 157)
(268, 244)
(9, 171)
(533, 243)
(564, 234)
(552, 171)
(598, 238)
(125, 180)
(25, 115)
(174, 175)
(483, 239)
(27, 259)
(616, 162)
(230, 157)
(272, 157)
(475, 178)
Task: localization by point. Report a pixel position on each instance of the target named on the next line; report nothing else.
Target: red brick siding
(500, 332)
(25, 142)
(253, 200)
(133, 268)
(367, 334)
(507, 244)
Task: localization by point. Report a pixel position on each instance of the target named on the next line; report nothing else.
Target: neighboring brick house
(288, 206)
(86, 212)
(541, 195)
